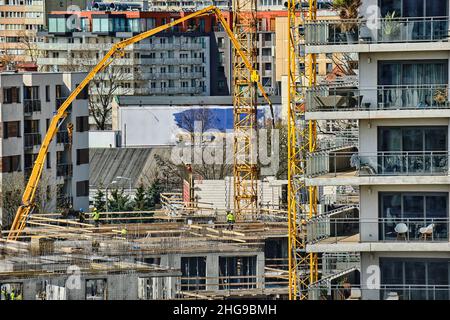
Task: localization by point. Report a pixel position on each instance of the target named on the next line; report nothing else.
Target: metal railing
(384, 30)
(421, 97)
(389, 163)
(31, 105)
(407, 229)
(32, 139)
(321, 291)
(63, 170)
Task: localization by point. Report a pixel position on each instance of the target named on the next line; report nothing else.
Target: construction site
(360, 211)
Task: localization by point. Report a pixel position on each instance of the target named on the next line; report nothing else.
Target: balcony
(377, 31)
(325, 291)
(62, 137)
(382, 98)
(64, 170)
(60, 101)
(31, 106)
(32, 139)
(176, 90)
(380, 163)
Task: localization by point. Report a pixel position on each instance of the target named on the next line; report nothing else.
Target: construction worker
(96, 217)
(19, 296)
(4, 294)
(12, 296)
(230, 220)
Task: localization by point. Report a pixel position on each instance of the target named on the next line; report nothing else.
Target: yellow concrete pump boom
(117, 50)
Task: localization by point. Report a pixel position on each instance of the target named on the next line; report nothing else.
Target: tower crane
(116, 51)
(302, 134)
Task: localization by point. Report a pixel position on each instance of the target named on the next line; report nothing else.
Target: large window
(415, 279)
(414, 8)
(413, 150)
(415, 84)
(403, 215)
(237, 273)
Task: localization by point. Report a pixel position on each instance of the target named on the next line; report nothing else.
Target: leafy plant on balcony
(391, 26)
(348, 10)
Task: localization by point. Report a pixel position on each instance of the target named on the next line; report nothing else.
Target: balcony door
(413, 150)
(425, 20)
(415, 210)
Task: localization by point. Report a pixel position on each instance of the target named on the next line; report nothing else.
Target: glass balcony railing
(392, 229)
(385, 30)
(380, 98)
(414, 163)
(322, 291)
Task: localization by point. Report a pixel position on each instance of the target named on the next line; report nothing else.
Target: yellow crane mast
(117, 51)
(302, 199)
(245, 166)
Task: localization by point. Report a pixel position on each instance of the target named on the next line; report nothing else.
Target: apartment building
(20, 20)
(401, 163)
(28, 103)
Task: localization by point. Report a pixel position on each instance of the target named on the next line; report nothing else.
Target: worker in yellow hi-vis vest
(96, 217)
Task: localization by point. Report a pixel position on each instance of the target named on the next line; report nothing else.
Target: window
(415, 210)
(237, 272)
(418, 81)
(82, 156)
(412, 138)
(83, 188)
(11, 129)
(11, 164)
(414, 150)
(47, 93)
(49, 161)
(11, 95)
(82, 124)
(31, 93)
(220, 42)
(84, 94)
(415, 279)
(95, 289)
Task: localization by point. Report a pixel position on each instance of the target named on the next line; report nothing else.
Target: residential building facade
(20, 20)
(28, 103)
(401, 163)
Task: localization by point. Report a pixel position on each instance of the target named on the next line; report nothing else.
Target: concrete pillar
(212, 272)
(260, 262)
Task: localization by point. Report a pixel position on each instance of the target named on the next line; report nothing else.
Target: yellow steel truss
(245, 166)
(302, 200)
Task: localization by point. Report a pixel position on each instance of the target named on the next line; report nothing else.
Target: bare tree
(103, 88)
(13, 185)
